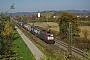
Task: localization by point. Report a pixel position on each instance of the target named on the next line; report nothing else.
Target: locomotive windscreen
(50, 35)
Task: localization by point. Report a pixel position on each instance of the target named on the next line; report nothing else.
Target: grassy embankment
(20, 49)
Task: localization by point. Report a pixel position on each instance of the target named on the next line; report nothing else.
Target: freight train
(44, 35)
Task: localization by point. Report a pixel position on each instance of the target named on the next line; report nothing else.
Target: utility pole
(28, 20)
(47, 17)
(69, 41)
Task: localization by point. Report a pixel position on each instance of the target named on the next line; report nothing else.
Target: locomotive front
(50, 37)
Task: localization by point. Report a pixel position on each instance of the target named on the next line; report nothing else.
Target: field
(85, 28)
(54, 27)
(20, 49)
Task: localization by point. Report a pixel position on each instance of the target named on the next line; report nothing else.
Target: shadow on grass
(15, 38)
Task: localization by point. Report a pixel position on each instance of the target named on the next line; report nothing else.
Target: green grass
(20, 49)
(89, 55)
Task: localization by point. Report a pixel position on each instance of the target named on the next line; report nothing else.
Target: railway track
(75, 51)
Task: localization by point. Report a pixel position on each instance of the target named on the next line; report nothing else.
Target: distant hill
(52, 12)
(23, 13)
(76, 11)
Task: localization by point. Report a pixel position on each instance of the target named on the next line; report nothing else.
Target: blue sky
(42, 5)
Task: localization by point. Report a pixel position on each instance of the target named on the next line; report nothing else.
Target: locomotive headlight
(50, 38)
(51, 34)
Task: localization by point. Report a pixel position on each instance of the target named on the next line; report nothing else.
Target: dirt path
(35, 51)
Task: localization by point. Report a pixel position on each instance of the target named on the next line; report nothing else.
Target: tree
(7, 30)
(5, 33)
(64, 19)
(48, 17)
(7, 39)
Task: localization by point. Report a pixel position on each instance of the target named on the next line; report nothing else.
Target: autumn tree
(48, 17)
(7, 39)
(5, 33)
(64, 19)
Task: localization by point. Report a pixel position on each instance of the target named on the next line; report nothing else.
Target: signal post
(69, 41)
